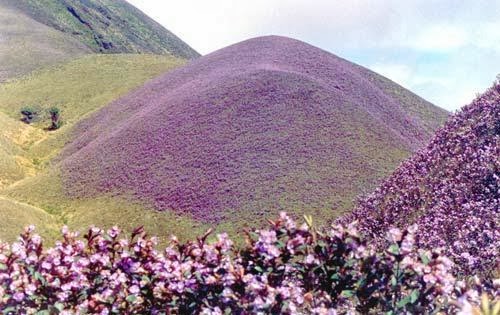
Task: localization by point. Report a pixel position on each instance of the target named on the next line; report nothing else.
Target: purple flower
(18, 296)
(134, 289)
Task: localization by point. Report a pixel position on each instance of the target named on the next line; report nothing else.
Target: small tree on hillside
(55, 117)
(29, 114)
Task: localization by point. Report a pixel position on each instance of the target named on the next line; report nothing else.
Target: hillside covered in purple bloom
(267, 124)
(451, 189)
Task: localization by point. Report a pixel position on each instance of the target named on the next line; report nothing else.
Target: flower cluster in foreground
(286, 269)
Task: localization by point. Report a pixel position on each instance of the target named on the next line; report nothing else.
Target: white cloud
(441, 37)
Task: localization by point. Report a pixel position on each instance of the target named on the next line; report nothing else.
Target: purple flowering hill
(451, 189)
(264, 125)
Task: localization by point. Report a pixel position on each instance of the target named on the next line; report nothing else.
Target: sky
(446, 51)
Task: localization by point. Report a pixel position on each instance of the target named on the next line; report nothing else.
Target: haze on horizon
(445, 51)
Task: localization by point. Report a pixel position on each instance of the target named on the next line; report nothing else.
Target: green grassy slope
(45, 191)
(15, 136)
(15, 216)
(26, 44)
(112, 26)
(78, 88)
(27, 180)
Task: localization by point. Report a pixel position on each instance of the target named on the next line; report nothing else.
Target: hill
(38, 34)
(451, 189)
(26, 44)
(78, 88)
(106, 26)
(264, 125)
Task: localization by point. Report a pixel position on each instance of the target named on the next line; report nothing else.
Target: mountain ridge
(106, 26)
(26, 44)
(44, 33)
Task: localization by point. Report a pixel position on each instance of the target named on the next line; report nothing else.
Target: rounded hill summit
(264, 125)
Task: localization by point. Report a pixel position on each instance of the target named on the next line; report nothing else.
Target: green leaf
(59, 306)
(38, 276)
(424, 258)
(131, 298)
(82, 296)
(394, 281)
(322, 243)
(403, 302)
(335, 276)
(414, 296)
(3, 266)
(347, 293)
(198, 276)
(393, 249)
(258, 268)
(361, 282)
(9, 310)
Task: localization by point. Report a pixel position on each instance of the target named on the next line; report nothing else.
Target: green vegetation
(45, 192)
(30, 114)
(15, 215)
(14, 138)
(55, 118)
(76, 89)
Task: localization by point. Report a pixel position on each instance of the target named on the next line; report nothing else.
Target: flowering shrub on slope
(284, 269)
(451, 190)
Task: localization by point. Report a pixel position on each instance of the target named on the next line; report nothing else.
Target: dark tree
(29, 114)
(55, 117)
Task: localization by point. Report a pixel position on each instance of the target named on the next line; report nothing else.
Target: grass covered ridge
(106, 26)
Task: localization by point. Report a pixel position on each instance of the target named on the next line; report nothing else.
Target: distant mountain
(267, 124)
(38, 33)
(109, 26)
(451, 189)
(26, 44)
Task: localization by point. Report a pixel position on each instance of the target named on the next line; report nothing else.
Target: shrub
(55, 117)
(30, 114)
(284, 269)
